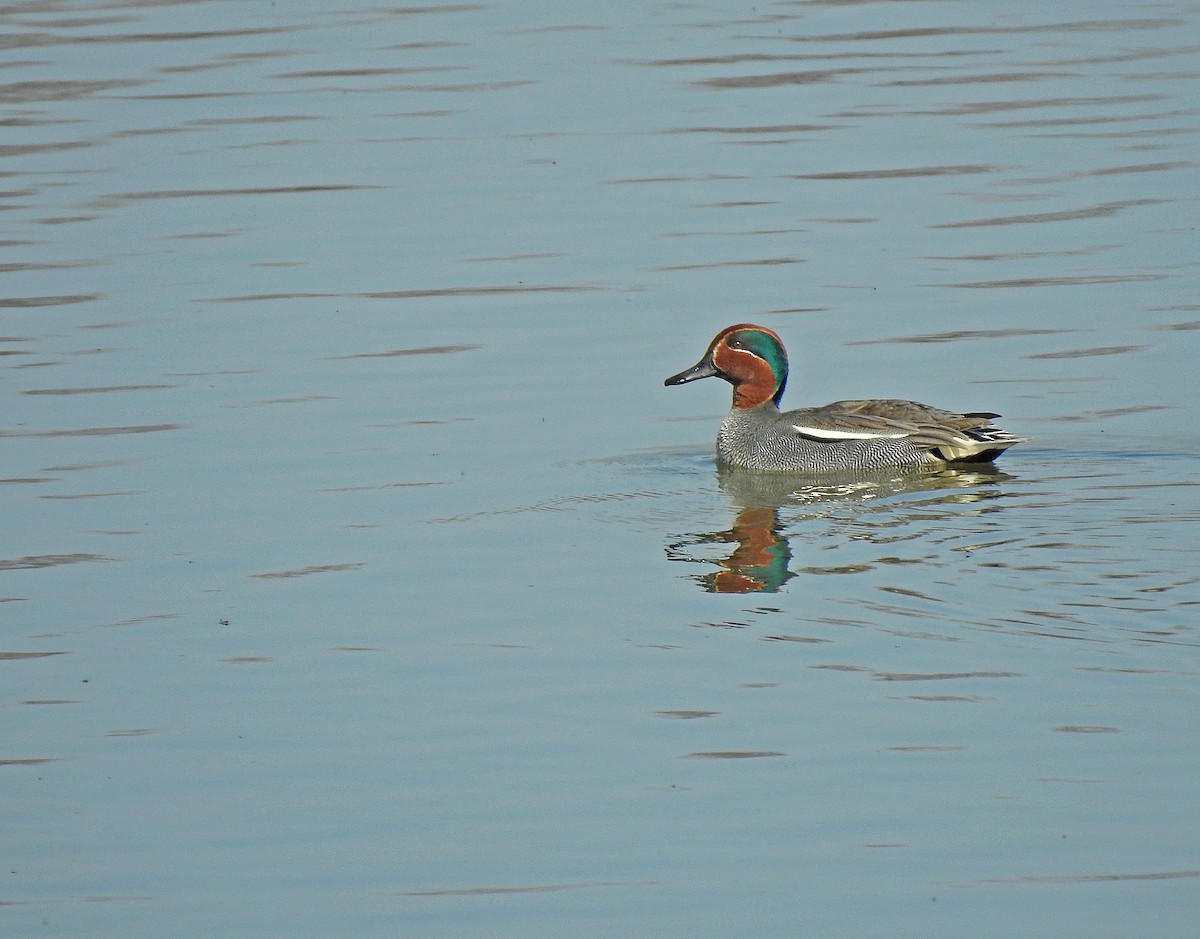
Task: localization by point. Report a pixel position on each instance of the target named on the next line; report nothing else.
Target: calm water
(359, 577)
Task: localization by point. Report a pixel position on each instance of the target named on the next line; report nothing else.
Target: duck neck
(754, 392)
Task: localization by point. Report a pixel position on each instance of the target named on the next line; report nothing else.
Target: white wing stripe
(825, 433)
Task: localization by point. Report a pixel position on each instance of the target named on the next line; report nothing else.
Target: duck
(844, 436)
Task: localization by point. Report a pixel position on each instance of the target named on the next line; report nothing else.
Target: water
(359, 576)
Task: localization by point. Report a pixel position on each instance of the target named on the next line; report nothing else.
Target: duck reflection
(760, 559)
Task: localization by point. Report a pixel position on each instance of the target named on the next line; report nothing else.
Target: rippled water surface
(359, 577)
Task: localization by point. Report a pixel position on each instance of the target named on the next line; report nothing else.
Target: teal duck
(844, 436)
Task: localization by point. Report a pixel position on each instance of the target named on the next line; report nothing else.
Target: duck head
(751, 358)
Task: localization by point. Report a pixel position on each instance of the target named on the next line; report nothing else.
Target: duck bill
(702, 369)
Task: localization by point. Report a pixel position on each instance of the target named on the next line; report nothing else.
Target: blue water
(359, 577)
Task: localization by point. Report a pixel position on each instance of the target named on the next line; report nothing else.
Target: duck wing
(950, 435)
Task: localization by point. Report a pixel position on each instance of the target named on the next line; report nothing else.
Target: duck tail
(978, 444)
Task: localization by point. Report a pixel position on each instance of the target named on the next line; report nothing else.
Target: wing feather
(955, 436)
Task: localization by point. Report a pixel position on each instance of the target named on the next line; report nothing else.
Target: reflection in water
(759, 561)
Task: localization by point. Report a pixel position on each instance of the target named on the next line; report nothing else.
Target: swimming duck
(842, 436)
